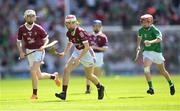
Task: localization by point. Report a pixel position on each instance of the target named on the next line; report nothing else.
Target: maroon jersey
(33, 38)
(78, 36)
(99, 40)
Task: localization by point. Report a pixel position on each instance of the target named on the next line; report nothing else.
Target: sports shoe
(87, 92)
(101, 92)
(172, 89)
(57, 80)
(34, 97)
(61, 95)
(150, 91)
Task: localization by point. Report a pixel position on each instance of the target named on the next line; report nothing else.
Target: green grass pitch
(122, 93)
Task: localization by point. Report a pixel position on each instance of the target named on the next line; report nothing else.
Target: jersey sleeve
(139, 35)
(157, 33)
(83, 36)
(19, 35)
(44, 34)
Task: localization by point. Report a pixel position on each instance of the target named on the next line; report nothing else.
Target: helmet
(29, 12)
(97, 22)
(70, 18)
(147, 18)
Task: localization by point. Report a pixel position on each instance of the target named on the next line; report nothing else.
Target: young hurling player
(34, 37)
(152, 51)
(99, 45)
(82, 53)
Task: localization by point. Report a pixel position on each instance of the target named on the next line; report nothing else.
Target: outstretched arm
(66, 50)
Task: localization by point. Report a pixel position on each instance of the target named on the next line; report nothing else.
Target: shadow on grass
(68, 100)
(77, 94)
(132, 97)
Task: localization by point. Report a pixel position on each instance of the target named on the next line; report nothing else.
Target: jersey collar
(96, 34)
(28, 27)
(73, 32)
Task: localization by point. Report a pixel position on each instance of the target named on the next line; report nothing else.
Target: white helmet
(29, 12)
(70, 18)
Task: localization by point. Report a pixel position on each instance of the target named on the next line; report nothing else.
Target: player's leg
(44, 75)
(34, 83)
(88, 86)
(89, 75)
(97, 71)
(147, 64)
(31, 59)
(166, 74)
(67, 71)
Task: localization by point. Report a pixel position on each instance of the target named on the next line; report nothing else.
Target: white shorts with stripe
(99, 59)
(87, 60)
(155, 57)
(35, 57)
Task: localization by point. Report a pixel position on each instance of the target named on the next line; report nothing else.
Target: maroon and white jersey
(33, 38)
(99, 40)
(78, 37)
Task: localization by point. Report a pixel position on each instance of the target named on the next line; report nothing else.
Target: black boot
(61, 95)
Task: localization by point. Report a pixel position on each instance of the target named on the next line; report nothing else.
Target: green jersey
(150, 33)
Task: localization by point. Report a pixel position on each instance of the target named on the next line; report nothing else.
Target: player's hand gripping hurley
(47, 46)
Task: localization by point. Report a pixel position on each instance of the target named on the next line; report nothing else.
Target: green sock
(170, 83)
(150, 84)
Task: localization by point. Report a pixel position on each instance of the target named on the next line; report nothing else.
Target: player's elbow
(158, 40)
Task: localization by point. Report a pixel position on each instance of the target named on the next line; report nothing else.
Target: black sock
(150, 84)
(88, 87)
(52, 77)
(170, 83)
(98, 85)
(64, 88)
(35, 91)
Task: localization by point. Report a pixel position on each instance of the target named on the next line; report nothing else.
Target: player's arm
(103, 49)
(66, 50)
(103, 46)
(85, 50)
(139, 39)
(19, 44)
(68, 47)
(20, 48)
(46, 41)
(157, 40)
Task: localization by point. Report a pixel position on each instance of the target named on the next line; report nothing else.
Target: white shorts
(35, 57)
(99, 59)
(87, 60)
(155, 57)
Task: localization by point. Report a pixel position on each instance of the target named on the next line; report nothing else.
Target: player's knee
(66, 70)
(33, 71)
(89, 76)
(146, 69)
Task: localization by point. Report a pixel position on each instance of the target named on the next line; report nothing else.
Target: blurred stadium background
(120, 19)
